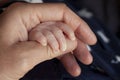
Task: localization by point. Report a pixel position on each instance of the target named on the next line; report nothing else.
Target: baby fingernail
(44, 43)
(72, 37)
(64, 48)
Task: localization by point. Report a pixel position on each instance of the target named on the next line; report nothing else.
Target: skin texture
(52, 33)
(18, 55)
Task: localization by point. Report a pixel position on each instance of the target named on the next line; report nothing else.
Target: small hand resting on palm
(53, 34)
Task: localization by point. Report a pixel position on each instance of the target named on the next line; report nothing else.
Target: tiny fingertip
(44, 44)
(72, 37)
(63, 48)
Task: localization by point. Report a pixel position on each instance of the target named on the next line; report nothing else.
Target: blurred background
(103, 17)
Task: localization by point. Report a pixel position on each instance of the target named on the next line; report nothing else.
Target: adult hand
(18, 55)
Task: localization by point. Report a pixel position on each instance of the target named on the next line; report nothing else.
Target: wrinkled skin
(18, 55)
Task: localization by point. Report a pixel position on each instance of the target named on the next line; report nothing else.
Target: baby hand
(52, 33)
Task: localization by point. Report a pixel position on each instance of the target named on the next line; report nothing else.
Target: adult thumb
(31, 53)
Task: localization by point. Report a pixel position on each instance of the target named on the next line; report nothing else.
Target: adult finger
(82, 53)
(28, 54)
(63, 13)
(70, 64)
(43, 12)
